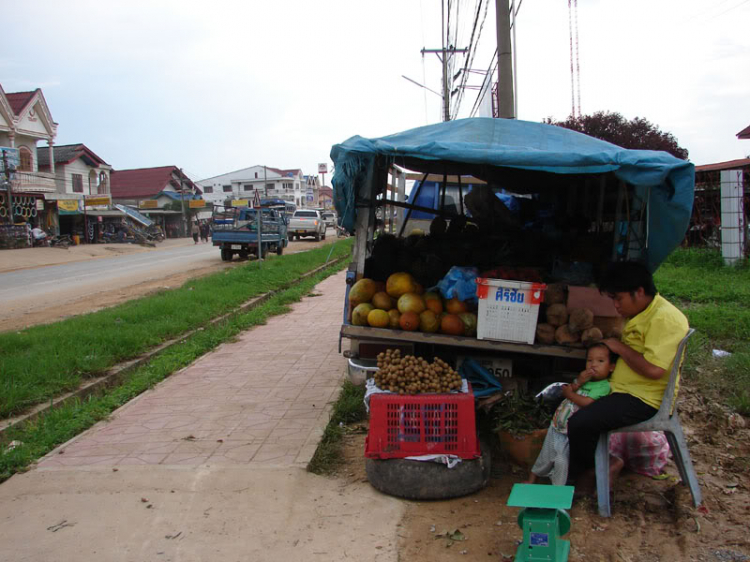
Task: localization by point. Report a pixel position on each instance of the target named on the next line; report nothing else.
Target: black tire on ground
(264, 252)
(244, 254)
(324, 236)
(280, 248)
(418, 480)
(317, 236)
(225, 255)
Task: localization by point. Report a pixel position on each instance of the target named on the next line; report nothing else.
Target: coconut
(564, 336)
(580, 319)
(557, 315)
(555, 294)
(545, 333)
(591, 335)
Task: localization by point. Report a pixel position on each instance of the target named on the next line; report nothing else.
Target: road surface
(48, 293)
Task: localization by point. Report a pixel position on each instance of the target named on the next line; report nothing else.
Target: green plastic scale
(543, 521)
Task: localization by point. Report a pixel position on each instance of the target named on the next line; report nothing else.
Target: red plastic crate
(422, 424)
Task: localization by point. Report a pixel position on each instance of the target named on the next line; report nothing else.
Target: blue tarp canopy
(477, 146)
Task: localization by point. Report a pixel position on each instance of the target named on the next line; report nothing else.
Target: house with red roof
(744, 133)
(78, 170)
(25, 119)
(159, 193)
(277, 183)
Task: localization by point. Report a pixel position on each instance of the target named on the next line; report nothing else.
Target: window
(26, 161)
(296, 186)
(270, 186)
(102, 187)
(208, 189)
(288, 186)
(77, 183)
(256, 175)
(247, 187)
(227, 188)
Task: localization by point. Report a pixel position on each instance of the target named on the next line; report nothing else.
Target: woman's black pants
(610, 412)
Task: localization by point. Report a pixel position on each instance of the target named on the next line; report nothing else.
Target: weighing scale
(543, 521)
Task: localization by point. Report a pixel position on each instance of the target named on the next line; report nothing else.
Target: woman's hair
(612, 355)
(626, 277)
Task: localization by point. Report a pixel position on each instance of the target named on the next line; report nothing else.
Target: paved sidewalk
(217, 453)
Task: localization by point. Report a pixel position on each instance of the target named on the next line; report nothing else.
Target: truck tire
(420, 480)
(280, 248)
(324, 236)
(226, 255)
(244, 254)
(264, 252)
(317, 236)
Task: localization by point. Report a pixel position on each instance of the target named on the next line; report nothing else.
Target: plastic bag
(552, 394)
(460, 282)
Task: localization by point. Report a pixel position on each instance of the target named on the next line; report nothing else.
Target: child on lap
(591, 384)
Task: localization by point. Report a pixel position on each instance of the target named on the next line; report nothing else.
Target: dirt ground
(51, 308)
(653, 520)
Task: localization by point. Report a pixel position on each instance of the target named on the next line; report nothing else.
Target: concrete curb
(117, 373)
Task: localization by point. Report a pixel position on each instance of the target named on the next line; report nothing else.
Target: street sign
(322, 168)
(197, 203)
(239, 202)
(256, 200)
(91, 201)
(148, 204)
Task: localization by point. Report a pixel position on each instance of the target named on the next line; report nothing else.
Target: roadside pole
(505, 103)
(9, 186)
(182, 201)
(259, 215)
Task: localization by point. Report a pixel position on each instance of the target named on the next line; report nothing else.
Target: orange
(452, 324)
(410, 302)
(360, 313)
(399, 284)
(378, 318)
(382, 300)
(455, 306)
(429, 321)
(394, 316)
(433, 302)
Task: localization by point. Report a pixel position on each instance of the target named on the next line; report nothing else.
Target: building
(312, 187)
(162, 193)
(325, 197)
(266, 181)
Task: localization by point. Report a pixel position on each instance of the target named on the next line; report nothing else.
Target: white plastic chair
(666, 420)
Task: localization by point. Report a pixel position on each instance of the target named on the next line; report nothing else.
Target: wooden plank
(366, 332)
(439, 178)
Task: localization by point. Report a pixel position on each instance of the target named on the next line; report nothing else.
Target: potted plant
(521, 425)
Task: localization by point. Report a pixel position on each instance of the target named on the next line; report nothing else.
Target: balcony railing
(34, 182)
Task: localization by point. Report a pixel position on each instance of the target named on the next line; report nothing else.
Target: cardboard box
(508, 309)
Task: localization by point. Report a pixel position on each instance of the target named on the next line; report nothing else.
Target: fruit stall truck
(548, 206)
(235, 231)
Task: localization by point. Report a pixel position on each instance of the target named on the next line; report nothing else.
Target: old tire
(418, 480)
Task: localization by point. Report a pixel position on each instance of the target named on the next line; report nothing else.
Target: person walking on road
(194, 231)
(205, 229)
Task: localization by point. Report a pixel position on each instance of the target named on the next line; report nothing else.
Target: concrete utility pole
(505, 101)
(259, 219)
(182, 200)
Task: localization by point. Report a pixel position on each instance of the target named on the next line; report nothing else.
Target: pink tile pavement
(263, 399)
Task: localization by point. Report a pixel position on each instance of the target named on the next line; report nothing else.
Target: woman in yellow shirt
(647, 349)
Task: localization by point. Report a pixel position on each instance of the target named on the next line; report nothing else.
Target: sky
(213, 87)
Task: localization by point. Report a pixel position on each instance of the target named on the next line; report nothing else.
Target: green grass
(716, 300)
(58, 425)
(349, 408)
(42, 362)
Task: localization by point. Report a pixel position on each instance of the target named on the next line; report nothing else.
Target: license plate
(236, 246)
(498, 366)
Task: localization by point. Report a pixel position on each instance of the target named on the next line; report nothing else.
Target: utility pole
(505, 97)
(259, 214)
(444, 54)
(9, 187)
(182, 200)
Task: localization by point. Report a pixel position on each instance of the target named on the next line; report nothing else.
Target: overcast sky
(217, 86)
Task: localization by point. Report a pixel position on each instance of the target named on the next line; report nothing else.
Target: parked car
(329, 217)
(307, 222)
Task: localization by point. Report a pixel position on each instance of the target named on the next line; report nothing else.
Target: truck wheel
(420, 480)
(317, 236)
(244, 254)
(324, 236)
(280, 249)
(225, 255)
(264, 252)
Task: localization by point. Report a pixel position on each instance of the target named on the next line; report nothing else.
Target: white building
(243, 184)
(78, 171)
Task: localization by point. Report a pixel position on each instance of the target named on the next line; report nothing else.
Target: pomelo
(452, 324)
(410, 302)
(433, 302)
(409, 321)
(360, 312)
(378, 318)
(455, 306)
(382, 300)
(362, 291)
(394, 316)
(399, 284)
(429, 321)
(470, 323)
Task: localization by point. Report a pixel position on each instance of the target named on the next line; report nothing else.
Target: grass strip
(716, 300)
(349, 408)
(39, 436)
(43, 362)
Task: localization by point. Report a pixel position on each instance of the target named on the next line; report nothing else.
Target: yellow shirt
(655, 333)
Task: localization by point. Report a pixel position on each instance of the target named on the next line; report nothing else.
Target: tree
(613, 127)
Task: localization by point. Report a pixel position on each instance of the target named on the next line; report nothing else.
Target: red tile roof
(729, 165)
(19, 100)
(144, 182)
(744, 133)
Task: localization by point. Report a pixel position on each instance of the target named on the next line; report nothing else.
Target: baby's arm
(570, 391)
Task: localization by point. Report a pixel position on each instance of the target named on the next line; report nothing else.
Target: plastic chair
(666, 420)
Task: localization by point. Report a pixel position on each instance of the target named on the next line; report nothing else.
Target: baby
(591, 384)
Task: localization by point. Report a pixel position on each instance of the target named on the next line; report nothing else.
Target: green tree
(638, 133)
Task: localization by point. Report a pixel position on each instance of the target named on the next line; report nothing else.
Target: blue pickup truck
(235, 231)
